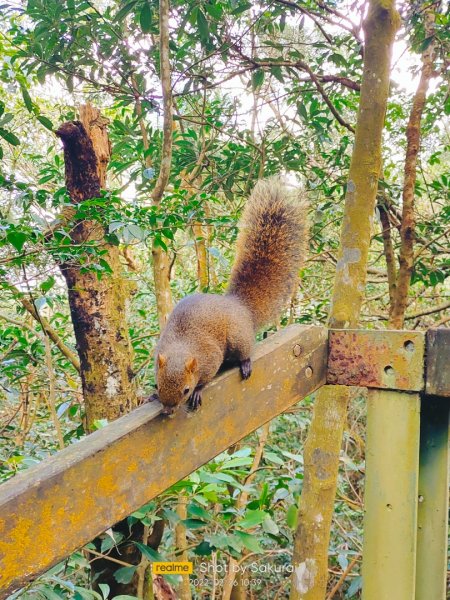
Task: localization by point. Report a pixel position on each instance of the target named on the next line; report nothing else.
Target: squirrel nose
(169, 410)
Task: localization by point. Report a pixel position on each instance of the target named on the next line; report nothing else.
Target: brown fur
(270, 250)
(206, 329)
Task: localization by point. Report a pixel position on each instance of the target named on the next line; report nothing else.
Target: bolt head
(297, 350)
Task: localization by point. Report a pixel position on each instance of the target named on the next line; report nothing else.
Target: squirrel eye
(186, 391)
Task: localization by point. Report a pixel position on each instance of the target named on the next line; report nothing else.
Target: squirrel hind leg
(195, 400)
(245, 366)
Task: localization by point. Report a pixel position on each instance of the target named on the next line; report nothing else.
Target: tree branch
(413, 138)
(47, 328)
(166, 158)
(389, 253)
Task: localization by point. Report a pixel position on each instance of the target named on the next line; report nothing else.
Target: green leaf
(27, 99)
(145, 18)
(45, 122)
(237, 462)
(241, 8)
(47, 284)
(425, 43)
(202, 25)
(292, 516)
(9, 137)
(215, 10)
(136, 231)
(270, 526)
(198, 511)
(302, 111)
(249, 541)
(297, 457)
(124, 575)
(277, 73)
(69, 83)
(272, 457)
(158, 242)
(50, 593)
(218, 540)
(193, 523)
(149, 552)
(17, 239)
(203, 549)
(252, 518)
(115, 225)
(354, 587)
(125, 10)
(257, 79)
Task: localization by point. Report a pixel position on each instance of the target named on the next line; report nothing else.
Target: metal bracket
(376, 359)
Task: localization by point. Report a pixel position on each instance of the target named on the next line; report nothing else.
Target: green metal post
(390, 514)
(433, 500)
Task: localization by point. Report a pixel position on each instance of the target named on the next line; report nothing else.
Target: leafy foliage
(258, 89)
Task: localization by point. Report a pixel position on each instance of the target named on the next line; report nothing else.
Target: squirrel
(204, 330)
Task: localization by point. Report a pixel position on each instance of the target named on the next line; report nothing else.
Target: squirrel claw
(245, 367)
(195, 401)
(152, 398)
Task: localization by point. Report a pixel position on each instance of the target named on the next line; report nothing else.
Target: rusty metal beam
(51, 510)
(377, 359)
(438, 363)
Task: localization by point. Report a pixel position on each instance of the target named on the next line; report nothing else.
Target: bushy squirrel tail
(270, 249)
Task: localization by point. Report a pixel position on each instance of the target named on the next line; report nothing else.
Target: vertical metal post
(433, 500)
(390, 513)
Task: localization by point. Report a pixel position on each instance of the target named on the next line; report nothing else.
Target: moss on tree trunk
(97, 305)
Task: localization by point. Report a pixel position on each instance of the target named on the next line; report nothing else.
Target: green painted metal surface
(390, 512)
(432, 532)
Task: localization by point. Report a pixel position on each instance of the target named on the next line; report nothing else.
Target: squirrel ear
(191, 364)
(162, 360)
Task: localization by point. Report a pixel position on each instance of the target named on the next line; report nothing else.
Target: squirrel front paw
(245, 367)
(195, 401)
(153, 398)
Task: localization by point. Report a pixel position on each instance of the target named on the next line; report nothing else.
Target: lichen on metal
(376, 359)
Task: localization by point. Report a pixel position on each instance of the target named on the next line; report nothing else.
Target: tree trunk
(202, 256)
(184, 589)
(309, 577)
(388, 247)
(161, 263)
(97, 305)
(413, 135)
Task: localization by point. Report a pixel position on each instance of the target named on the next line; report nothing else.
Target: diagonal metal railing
(58, 506)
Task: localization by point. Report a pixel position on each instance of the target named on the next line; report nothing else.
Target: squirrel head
(176, 377)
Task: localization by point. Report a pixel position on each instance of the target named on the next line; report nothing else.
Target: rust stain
(376, 359)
